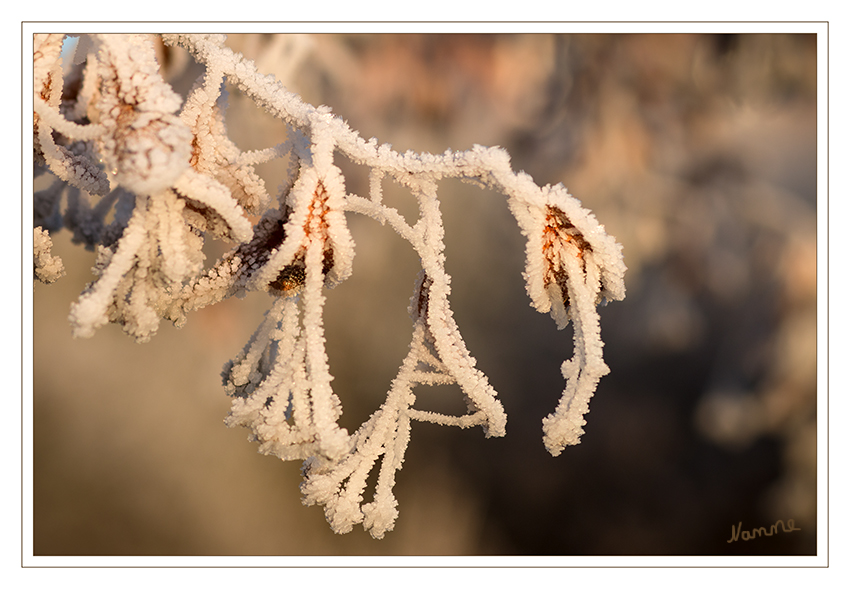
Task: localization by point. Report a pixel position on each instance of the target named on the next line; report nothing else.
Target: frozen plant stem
(120, 138)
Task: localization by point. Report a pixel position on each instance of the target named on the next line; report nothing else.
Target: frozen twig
(176, 179)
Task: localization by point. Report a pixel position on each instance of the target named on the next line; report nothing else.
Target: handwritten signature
(758, 532)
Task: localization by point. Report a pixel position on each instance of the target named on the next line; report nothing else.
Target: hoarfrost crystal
(174, 179)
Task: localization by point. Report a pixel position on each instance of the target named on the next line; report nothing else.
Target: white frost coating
(214, 154)
(52, 118)
(216, 196)
(76, 171)
(90, 311)
(192, 183)
(46, 267)
(273, 389)
(144, 142)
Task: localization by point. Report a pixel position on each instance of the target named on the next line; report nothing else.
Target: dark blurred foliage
(698, 152)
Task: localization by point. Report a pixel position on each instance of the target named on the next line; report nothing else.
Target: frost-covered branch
(175, 179)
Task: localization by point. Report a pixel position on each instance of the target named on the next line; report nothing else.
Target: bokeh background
(698, 152)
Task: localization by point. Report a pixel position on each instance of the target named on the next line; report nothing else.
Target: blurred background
(698, 152)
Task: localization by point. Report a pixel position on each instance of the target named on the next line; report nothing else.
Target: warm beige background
(697, 152)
